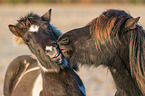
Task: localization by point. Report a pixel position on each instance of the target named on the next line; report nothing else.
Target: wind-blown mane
(27, 20)
(137, 56)
(109, 25)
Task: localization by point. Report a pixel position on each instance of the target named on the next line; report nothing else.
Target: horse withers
(58, 78)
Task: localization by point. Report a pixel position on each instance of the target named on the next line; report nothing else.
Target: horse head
(37, 33)
(40, 35)
(97, 42)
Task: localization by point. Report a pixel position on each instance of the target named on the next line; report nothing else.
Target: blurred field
(98, 82)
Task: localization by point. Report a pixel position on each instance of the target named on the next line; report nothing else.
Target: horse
(115, 40)
(59, 79)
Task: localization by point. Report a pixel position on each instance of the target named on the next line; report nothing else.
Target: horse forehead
(34, 28)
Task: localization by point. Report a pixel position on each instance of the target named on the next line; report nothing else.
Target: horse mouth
(54, 53)
(56, 56)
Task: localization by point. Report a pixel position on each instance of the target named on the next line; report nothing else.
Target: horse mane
(108, 25)
(137, 56)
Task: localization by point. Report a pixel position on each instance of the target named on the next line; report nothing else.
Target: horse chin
(55, 58)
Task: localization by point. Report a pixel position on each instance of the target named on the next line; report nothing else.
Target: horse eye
(65, 40)
(27, 39)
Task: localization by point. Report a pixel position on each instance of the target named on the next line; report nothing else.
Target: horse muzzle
(56, 56)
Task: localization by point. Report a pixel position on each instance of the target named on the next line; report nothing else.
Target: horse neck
(122, 77)
(52, 84)
(83, 43)
(55, 84)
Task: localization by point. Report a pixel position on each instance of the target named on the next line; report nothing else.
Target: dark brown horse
(37, 34)
(115, 40)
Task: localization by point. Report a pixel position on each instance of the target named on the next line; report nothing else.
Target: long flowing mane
(137, 56)
(109, 25)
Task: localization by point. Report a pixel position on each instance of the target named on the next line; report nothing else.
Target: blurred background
(72, 1)
(66, 15)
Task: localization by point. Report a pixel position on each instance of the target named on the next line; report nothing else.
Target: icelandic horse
(115, 40)
(58, 77)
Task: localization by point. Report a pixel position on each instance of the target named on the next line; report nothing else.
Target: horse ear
(47, 16)
(131, 23)
(15, 30)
